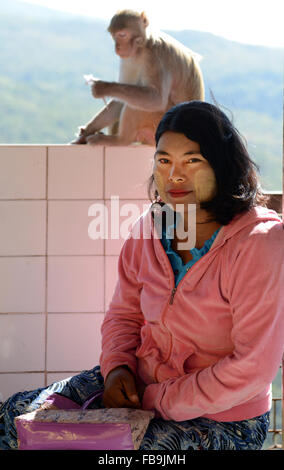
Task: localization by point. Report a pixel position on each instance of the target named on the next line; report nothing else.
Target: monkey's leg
(139, 126)
(127, 130)
(134, 126)
(106, 117)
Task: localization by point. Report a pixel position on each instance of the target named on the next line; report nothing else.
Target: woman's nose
(175, 175)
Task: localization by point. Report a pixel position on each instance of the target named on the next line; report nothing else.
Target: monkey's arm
(146, 98)
(107, 116)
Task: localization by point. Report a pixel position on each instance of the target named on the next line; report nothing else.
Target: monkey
(156, 72)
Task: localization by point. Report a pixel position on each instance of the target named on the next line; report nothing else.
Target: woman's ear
(157, 197)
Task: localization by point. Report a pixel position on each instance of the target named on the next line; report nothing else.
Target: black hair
(238, 186)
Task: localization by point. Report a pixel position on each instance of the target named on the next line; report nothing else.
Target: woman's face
(181, 174)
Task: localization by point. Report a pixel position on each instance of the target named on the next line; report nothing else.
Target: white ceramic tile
(68, 228)
(23, 228)
(22, 284)
(22, 342)
(122, 215)
(22, 172)
(127, 170)
(75, 284)
(111, 278)
(75, 172)
(73, 341)
(13, 383)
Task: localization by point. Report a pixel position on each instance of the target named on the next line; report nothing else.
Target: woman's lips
(177, 193)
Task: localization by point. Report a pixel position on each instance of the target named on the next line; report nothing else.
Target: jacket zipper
(172, 295)
(173, 291)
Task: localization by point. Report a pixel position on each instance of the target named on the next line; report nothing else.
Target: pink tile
(75, 172)
(111, 277)
(122, 214)
(127, 170)
(75, 284)
(22, 172)
(23, 227)
(22, 342)
(68, 229)
(73, 341)
(22, 284)
(13, 383)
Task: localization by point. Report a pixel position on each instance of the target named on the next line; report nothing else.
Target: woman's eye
(193, 160)
(163, 160)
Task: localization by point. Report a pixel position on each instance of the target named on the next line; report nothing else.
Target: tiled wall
(55, 281)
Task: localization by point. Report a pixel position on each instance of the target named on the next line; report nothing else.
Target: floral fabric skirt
(195, 434)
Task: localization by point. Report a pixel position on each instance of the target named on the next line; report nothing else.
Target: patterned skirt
(195, 434)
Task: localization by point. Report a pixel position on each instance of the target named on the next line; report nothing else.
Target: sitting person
(194, 330)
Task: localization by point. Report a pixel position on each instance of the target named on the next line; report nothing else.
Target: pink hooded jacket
(212, 346)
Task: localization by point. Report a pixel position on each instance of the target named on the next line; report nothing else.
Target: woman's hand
(120, 389)
(140, 389)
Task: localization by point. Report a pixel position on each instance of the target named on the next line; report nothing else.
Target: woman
(195, 327)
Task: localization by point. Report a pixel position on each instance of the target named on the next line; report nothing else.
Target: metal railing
(276, 445)
(275, 429)
(275, 201)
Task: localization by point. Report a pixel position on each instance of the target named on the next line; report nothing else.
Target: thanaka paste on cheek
(205, 184)
(160, 185)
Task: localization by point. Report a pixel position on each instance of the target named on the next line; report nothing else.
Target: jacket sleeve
(123, 321)
(256, 297)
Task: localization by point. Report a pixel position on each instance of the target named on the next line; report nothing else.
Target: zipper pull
(172, 295)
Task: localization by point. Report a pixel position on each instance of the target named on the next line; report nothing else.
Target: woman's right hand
(120, 389)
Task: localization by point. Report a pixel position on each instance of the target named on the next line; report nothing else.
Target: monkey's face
(181, 174)
(127, 43)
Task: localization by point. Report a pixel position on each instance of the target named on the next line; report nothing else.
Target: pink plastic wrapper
(42, 435)
(77, 428)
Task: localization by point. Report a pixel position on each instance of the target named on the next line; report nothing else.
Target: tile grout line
(46, 270)
(51, 313)
(46, 254)
(59, 256)
(17, 372)
(104, 241)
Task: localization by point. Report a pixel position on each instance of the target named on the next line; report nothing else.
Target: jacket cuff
(149, 398)
(106, 369)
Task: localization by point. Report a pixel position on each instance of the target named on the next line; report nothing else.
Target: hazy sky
(249, 21)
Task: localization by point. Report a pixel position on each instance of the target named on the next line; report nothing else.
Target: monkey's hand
(81, 137)
(99, 88)
(94, 139)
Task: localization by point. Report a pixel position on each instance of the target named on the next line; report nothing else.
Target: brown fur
(156, 72)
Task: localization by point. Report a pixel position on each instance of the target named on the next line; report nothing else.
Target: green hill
(43, 97)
